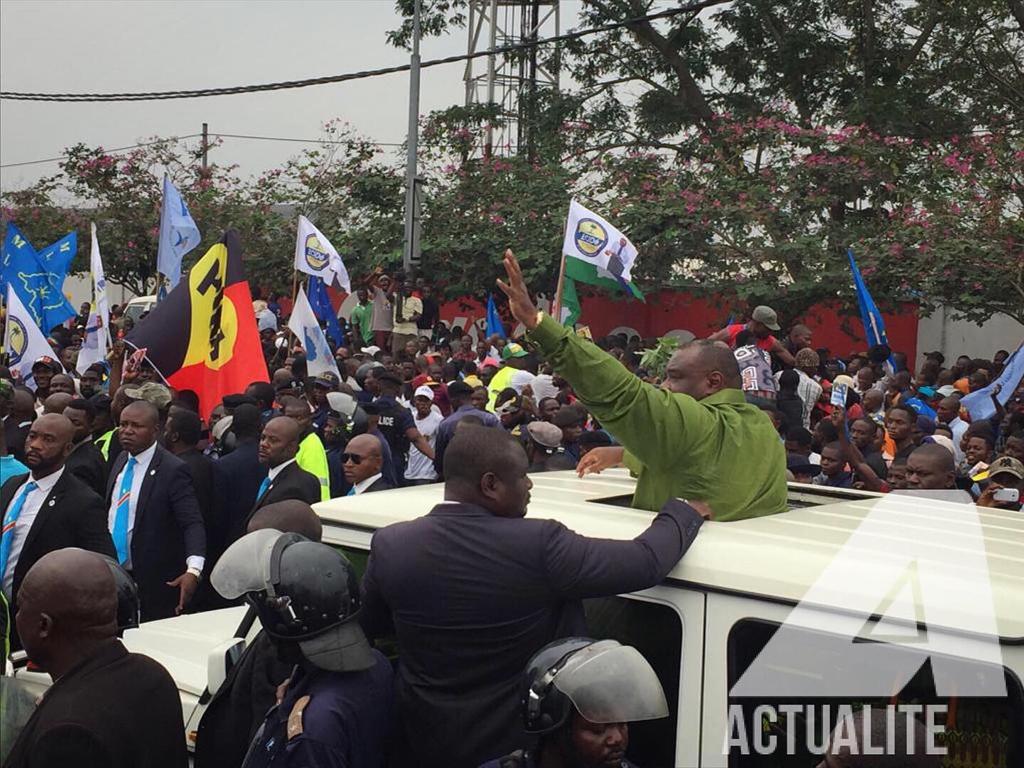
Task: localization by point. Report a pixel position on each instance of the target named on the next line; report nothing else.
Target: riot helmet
(304, 592)
(129, 610)
(363, 371)
(602, 680)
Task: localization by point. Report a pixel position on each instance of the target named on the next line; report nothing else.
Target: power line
(108, 151)
(289, 84)
(346, 142)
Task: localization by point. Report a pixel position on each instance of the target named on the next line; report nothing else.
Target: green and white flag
(597, 253)
(571, 308)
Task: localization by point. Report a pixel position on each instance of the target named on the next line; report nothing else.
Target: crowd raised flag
(596, 253)
(324, 309)
(315, 255)
(304, 325)
(178, 234)
(97, 330)
(41, 289)
(24, 342)
(494, 325)
(214, 349)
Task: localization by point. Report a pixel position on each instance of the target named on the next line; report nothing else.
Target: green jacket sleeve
(652, 424)
(313, 458)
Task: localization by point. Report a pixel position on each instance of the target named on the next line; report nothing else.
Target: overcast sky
(151, 45)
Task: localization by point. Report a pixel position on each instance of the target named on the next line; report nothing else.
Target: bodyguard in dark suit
(48, 509)
(86, 462)
(362, 462)
(237, 477)
(153, 516)
(107, 708)
(473, 589)
(285, 479)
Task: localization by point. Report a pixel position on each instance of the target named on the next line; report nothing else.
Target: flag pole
(556, 307)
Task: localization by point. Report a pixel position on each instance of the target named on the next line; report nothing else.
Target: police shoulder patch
(295, 717)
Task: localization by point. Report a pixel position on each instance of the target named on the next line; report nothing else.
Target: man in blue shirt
(460, 394)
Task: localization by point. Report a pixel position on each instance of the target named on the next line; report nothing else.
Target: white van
(139, 306)
(947, 642)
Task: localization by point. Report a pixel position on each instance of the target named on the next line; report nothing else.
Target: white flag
(315, 255)
(304, 325)
(24, 343)
(97, 331)
(597, 244)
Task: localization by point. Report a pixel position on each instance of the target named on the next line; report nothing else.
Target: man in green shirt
(694, 438)
(361, 319)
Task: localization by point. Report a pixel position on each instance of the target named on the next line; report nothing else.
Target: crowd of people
(199, 508)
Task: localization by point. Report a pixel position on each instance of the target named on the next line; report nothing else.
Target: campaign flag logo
(590, 238)
(597, 253)
(178, 233)
(24, 342)
(315, 255)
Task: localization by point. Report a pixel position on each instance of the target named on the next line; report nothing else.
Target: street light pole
(410, 253)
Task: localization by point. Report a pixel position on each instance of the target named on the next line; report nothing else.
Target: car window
(656, 631)
(981, 732)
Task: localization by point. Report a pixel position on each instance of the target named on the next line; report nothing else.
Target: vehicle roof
(780, 557)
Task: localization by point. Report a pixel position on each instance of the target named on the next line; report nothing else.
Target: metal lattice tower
(512, 80)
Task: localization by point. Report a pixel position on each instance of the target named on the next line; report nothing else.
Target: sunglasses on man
(355, 458)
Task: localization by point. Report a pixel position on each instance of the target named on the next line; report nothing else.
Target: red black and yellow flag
(203, 336)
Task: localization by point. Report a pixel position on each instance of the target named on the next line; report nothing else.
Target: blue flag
(494, 324)
(39, 289)
(178, 234)
(324, 310)
(57, 258)
(874, 326)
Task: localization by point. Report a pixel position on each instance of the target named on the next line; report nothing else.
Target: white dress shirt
(273, 472)
(29, 512)
(362, 485)
(143, 460)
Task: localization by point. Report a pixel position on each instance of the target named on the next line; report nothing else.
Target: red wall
(676, 310)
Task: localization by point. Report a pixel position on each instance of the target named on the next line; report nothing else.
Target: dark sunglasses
(355, 458)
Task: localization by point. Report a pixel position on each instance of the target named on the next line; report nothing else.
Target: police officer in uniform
(579, 696)
(338, 706)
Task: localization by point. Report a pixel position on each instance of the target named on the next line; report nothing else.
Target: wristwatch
(195, 572)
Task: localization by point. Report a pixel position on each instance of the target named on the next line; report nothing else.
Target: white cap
(424, 391)
(371, 350)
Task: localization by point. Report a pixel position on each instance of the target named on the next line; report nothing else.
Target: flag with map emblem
(40, 287)
(203, 336)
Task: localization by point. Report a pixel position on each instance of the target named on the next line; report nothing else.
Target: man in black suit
(153, 516)
(468, 620)
(362, 462)
(85, 462)
(107, 708)
(237, 477)
(17, 422)
(48, 509)
(182, 433)
(285, 479)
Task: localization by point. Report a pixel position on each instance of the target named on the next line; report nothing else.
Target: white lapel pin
(152, 472)
(52, 502)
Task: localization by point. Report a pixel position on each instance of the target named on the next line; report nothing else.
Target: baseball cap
(152, 392)
(946, 390)
(290, 384)
(547, 435)
(371, 350)
(46, 361)
(424, 391)
(1006, 465)
(798, 464)
(513, 350)
(766, 316)
(326, 381)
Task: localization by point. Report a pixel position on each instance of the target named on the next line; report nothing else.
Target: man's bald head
(931, 467)
(280, 441)
(487, 467)
(362, 458)
(57, 402)
(67, 602)
(701, 368)
(291, 516)
(48, 443)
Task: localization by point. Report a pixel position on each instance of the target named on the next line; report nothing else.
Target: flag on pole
(324, 310)
(40, 290)
(315, 255)
(203, 336)
(874, 325)
(979, 403)
(178, 234)
(571, 309)
(97, 331)
(56, 258)
(597, 253)
(24, 342)
(494, 325)
(304, 325)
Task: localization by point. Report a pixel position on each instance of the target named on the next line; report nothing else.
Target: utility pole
(411, 250)
(206, 145)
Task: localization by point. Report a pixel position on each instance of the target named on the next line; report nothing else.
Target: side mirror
(221, 661)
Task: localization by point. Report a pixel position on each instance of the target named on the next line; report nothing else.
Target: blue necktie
(10, 521)
(120, 532)
(351, 491)
(263, 488)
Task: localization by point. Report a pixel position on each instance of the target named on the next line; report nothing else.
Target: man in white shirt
(421, 468)
(153, 516)
(362, 462)
(47, 509)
